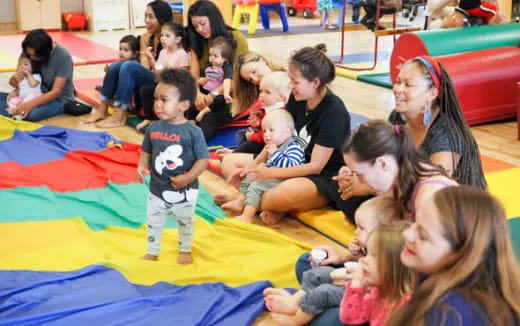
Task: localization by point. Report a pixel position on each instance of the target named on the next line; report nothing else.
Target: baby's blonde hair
(281, 81)
(280, 116)
(385, 207)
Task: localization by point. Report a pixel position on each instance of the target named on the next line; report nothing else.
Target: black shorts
(328, 188)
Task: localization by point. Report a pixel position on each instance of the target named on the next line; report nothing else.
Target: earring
(427, 116)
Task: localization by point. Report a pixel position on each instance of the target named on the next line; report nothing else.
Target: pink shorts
(15, 101)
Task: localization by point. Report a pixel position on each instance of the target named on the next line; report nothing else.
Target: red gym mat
(82, 50)
(85, 90)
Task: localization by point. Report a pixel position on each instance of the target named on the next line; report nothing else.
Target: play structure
(377, 33)
(252, 8)
(482, 62)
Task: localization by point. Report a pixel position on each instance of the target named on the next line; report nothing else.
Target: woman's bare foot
(95, 115)
(185, 258)
(243, 218)
(142, 124)
(282, 304)
(271, 218)
(235, 206)
(282, 319)
(276, 291)
(149, 257)
(117, 119)
(221, 199)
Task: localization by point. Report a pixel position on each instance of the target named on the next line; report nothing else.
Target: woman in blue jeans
(123, 77)
(54, 63)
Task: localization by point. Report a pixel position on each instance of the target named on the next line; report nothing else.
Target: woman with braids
(426, 102)
(122, 78)
(461, 245)
(205, 23)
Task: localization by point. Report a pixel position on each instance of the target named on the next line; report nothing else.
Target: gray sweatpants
(158, 212)
(254, 190)
(320, 293)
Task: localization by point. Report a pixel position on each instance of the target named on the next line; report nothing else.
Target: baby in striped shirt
(282, 149)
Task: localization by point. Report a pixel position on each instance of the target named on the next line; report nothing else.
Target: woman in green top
(205, 22)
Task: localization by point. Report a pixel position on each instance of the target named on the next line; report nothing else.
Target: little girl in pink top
(381, 284)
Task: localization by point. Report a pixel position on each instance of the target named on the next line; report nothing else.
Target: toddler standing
(176, 151)
(28, 85)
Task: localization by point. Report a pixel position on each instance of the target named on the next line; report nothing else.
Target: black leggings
(146, 93)
(220, 115)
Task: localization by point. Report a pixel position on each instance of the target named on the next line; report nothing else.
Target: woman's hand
(333, 258)
(24, 109)
(223, 151)
(349, 184)
(260, 172)
(236, 177)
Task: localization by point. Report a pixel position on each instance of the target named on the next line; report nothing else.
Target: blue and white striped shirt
(289, 154)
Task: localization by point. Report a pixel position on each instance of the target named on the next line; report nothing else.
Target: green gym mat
(377, 79)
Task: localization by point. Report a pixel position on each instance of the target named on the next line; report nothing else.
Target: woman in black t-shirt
(322, 120)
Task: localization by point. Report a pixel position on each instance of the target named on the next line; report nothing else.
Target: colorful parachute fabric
(72, 234)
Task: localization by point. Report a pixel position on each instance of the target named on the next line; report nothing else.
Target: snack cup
(317, 256)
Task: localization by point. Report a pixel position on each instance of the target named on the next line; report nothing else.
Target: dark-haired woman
(322, 120)
(205, 22)
(55, 66)
(122, 78)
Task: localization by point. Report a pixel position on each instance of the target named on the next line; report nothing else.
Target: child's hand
(203, 81)
(339, 276)
(271, 148)
(148, 52)
(228, 99)
(19, 75)
(142, 172)
(356, 274)
(249, 134)
(332, 256)
(180, 181)
(355, 247)
(201, 114)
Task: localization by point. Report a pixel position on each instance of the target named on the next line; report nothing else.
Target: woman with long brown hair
(460, 243)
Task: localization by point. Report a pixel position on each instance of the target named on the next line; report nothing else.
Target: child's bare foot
(221, 199)
(282, 304)
(271, 218)
(276, 291)
(113, 121)
(95, 115)
(282, 319)
(243, 218)
(149, 257)
(185, 258)
(142, 124)
(235, 206)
